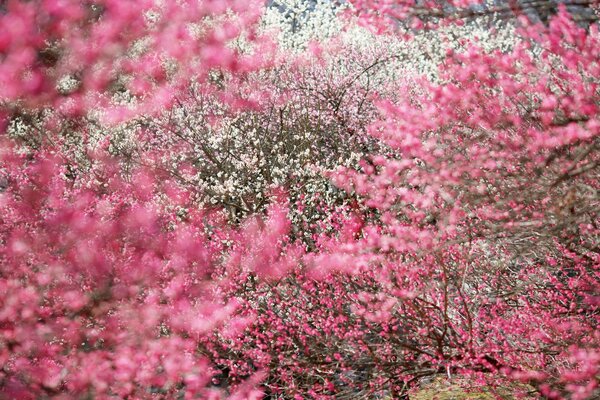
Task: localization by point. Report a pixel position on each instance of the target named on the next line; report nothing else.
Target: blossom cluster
(385, 193)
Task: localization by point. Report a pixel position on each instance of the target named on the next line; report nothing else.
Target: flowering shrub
(471, 268)
(475, 246)
(188, 212)
(77, 55)
(104, 294)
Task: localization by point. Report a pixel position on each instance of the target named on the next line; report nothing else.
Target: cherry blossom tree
(484, 260)
(106, 288)
(189, 211)
(75, 55)
(490, 211)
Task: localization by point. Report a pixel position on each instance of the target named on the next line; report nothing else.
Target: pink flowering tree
(483, 261)
(488, 251)
(462, 240)
(75, 55)
(106, 292)
(105, 287)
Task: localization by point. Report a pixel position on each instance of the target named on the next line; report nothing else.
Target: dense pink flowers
(75, 55)
(178, 254)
